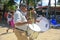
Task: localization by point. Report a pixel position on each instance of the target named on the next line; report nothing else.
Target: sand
(51, 34)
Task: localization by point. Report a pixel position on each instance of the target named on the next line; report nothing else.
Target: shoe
(7, 31)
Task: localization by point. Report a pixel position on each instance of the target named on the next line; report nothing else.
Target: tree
(38, 0)
(8, 5)
(10, 2)
(58, 0)
(31, 2)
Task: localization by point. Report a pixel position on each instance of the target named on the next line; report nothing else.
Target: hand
(37, 21)
(29, 22)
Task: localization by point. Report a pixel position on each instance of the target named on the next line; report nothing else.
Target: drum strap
(40, 19)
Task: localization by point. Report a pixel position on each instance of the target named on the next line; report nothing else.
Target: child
(11, 20)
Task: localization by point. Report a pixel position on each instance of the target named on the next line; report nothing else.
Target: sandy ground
(7, 36)
(51, 34)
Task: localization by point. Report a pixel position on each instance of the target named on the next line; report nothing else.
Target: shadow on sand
(5, 33)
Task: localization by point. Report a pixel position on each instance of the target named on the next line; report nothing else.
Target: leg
(32, 34)
(7, 30)
(20, 34)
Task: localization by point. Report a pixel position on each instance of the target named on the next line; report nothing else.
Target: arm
(21, 23)
(18, 19)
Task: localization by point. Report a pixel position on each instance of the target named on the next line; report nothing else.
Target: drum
(33, 30)
(42, 25)
(34, 27)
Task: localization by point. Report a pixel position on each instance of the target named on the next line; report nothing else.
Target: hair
(6, 10)
(31, 8)
(22, 5)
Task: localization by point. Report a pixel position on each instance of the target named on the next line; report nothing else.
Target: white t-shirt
(19, 17)
(9, 19)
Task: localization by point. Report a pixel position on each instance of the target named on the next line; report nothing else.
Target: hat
(22, 5)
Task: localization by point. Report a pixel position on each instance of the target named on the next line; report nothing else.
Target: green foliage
(31, 2)
(4, 1)
(11, 2)
(10, 5)
(13, 7)
(38, 0)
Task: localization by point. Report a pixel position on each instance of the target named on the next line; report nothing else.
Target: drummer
(20, 20)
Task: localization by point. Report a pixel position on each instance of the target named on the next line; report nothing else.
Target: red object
(0, 18)
(6, 14)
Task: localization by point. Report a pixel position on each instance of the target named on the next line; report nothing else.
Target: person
(33, 28)
(0, 17)
(20, 21)
(31, 15)
(10, 21)
(19, 17)
(9, 17)
(5, 15)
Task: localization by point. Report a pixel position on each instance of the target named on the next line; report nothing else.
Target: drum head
(34, 27)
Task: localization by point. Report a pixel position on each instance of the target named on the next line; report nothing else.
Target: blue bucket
(53, 21)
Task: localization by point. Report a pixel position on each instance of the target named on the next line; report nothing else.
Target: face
(12, 12)
(24, 9)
